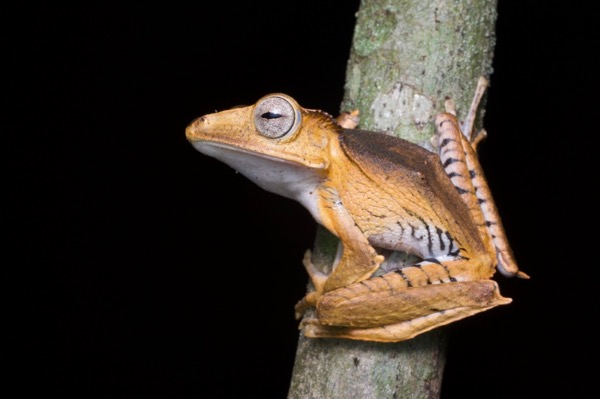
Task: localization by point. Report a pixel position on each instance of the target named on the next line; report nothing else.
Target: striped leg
(458, 156)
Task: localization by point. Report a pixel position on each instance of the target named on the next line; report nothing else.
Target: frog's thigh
(390, 315)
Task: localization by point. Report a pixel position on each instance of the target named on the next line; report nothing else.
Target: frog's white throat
(288, 179)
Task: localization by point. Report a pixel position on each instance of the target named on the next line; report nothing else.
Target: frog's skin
(375, 192)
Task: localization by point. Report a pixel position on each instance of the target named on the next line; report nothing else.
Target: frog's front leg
(384, 309)
(356, 259)
(318, 280)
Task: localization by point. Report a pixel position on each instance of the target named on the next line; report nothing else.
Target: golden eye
(275, 116)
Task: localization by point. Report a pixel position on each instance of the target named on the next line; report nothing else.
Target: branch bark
(407, 58)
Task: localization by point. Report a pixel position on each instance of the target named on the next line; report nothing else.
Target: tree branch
(407, 57)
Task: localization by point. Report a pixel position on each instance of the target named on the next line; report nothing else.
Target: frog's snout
(193, 130)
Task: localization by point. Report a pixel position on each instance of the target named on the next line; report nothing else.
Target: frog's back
(416, 180)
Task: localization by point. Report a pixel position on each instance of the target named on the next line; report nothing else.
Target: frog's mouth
(221, 150)
(232, 153)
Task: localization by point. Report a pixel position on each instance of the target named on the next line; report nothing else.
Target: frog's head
(275, 128)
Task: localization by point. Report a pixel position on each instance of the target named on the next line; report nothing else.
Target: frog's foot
(316, 277)
(318, 280)
(309, 300)
(467, 126)
(348, 120)
(481, 134)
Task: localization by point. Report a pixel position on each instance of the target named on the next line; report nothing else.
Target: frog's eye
(275, 116)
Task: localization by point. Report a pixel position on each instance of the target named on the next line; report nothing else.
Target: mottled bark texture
(407, 58)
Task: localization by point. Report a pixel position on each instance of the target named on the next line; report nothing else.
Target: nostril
(199, 121)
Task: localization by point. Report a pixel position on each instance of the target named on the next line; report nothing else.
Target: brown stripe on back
(409, 165)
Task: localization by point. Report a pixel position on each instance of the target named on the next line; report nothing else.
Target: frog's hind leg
(460, 162)
(374, 311)
(389, 333)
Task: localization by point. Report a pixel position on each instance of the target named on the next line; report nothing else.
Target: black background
(144, 268)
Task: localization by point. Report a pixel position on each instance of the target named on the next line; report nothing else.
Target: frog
(378, 194)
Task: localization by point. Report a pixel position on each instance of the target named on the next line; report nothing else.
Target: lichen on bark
(408, 56)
